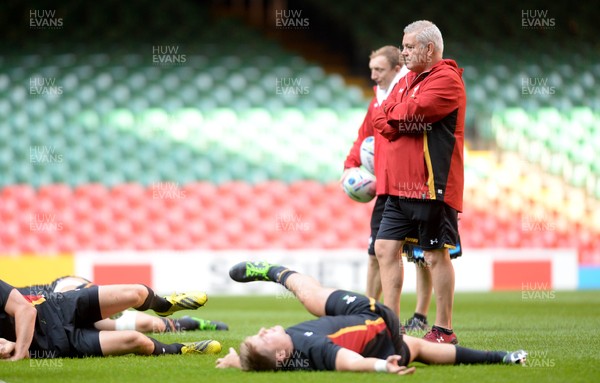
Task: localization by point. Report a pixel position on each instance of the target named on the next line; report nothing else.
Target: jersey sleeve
(312, 349)
(365, 130)
(322, 353)
(436, 101)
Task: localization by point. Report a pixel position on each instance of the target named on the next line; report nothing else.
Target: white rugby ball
(367, 154)
(359, 184)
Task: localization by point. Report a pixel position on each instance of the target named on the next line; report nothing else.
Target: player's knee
(374, 263)
(382, 250)
(434, 257)
(136, 341)
(136, 294)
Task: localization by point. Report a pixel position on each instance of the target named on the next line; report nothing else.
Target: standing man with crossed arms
(424, 124)
(386, 71)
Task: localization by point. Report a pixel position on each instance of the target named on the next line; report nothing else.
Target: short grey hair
(426, 32)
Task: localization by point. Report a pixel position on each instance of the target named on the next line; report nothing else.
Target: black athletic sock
(186, 324)
(163, 348)
(154, 302)
(420, 317)
(169, 324)
(444, 330)
(469, 356)
(280, 274)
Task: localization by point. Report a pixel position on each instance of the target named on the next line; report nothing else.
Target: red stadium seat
(197, 232)
(85, 235)
(9, 210)
(133, 194)
(143, 241)
(23, 195)
(203, 191)
(59, 195)
(10, 238)
(96, 194)
(242, 192)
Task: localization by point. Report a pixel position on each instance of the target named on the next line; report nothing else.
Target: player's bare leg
(116, 298)
(125, 342)
(443, 353)
(133, 320)
(442, 277)
(128, 342)
(391, 270)
(373, 279)
(146, 323)
(424, 289)
(309, 292)
(306, 288)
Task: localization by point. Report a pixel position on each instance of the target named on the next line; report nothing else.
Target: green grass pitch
(561, 331)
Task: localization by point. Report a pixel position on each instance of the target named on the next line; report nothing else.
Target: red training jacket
(423, 121)
(366, 130)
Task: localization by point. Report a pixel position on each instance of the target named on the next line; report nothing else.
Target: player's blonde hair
(252, 360)
(426, 32)
(390, 52)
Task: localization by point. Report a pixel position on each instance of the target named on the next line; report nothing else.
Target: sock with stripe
(163, 348)
(154, 302)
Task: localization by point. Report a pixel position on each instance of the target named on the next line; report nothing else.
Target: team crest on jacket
(415, 90)
(349, 298)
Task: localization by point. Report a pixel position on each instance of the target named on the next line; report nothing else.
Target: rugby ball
(367, 154)
(359, 185)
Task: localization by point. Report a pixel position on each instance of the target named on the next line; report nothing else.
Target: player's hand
(7, 349)
(393, 367)
(231, 360)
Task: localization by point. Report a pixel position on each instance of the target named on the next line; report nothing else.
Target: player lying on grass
(352, 333)
(127, 320)
(62, 324)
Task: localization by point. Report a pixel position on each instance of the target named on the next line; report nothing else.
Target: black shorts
(66, 324)
(376, 221)
(414, 253)
(433, 224)
(368, 307)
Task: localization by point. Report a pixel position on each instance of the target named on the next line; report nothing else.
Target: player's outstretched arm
(348, 360)
(24, 314)
(231, 360)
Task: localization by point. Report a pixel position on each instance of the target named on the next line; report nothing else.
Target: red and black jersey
(423, 120)
(64, 325)
(354, 322)
(56, 285)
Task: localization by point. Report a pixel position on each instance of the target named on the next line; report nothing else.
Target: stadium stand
(241, 145)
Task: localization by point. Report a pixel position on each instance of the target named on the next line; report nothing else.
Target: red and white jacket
(366, 130)
(423, 123)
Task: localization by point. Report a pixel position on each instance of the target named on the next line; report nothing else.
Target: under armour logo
(349, 299)
(308, 333)
(432, 241)
(440, 340)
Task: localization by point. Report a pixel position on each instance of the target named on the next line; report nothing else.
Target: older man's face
(414, 53)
